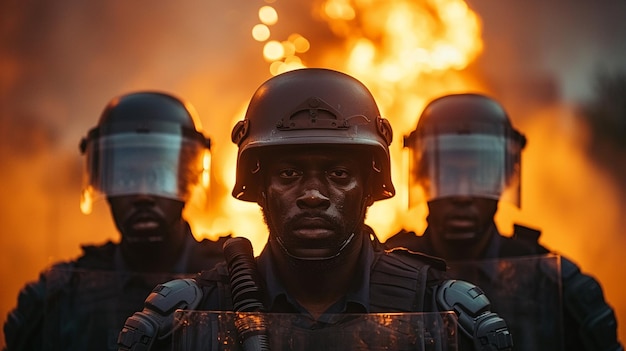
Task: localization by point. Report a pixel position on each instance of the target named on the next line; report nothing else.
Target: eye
(338, 173)
(124, 180)
(289, 173)
(157, 175)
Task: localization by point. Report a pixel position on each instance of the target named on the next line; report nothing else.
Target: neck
(316, 285)
(156, 257)
(462, 250)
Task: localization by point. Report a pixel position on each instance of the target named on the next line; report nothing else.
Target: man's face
(315, 200)
(461, 219)
(144, 218)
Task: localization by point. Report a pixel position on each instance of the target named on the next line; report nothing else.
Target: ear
(369, 200)
(261, 199)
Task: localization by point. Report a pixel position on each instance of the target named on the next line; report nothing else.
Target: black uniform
(82, 304)
(387, 281)
(358, 300)
(589, 323)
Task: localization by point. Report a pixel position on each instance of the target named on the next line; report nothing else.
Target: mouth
(460, 228)
(313, 228)
(145, 224)
(461, 222)
(144, 227)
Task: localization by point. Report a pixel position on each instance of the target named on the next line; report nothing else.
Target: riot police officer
(465, 158)
(145, 157)
(314, 155)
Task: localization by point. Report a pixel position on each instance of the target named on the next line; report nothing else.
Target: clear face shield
(159, 164)
(476, 165)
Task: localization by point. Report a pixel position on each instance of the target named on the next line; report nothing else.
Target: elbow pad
(487, 330)
(156, 321)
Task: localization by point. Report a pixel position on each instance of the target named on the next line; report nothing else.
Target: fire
(396, 47)
(393, 47)
(400, 40)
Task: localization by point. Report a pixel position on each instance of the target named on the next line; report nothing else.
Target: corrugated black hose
(246, 286)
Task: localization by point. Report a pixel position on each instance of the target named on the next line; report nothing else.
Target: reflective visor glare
(155, 164)
(470, 165)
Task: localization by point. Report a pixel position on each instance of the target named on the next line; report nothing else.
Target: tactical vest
(400, 281)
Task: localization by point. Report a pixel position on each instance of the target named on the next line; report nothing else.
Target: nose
(313, 198)
(462, 194)
(462, 199)
(143, 199)
(463, 185)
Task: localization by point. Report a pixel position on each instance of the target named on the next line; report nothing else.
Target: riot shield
(86, 309)
(222, 331)
(525, 292)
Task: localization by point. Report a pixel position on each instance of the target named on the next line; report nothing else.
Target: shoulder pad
(551, 268)
(583, 299)
(21, 327)
(156, 321)
(487, 330)
(433, 261)
(175, 294)
(402, 239)
(58, 276)
(568, 268)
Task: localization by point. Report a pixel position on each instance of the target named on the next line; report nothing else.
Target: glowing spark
(260, 32)
(268, 15)
(273, 50)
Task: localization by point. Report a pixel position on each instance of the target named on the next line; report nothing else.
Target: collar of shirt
(356, 299)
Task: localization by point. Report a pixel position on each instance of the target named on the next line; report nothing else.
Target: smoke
(605, 114)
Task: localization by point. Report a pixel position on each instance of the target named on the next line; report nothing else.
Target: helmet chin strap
(339, 251)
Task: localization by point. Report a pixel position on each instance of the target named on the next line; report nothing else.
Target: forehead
(462, 157)
(143, 159)
(314, 154)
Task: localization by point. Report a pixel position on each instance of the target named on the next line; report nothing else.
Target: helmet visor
(474, 165)
(158, 164)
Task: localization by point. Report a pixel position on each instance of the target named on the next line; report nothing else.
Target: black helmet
(311, 106)
(145, 142)
(464, 144)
